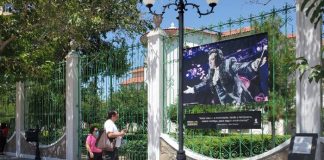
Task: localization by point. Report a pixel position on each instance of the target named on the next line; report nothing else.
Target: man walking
(113, 134)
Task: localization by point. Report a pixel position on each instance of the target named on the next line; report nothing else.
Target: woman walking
(94, 153)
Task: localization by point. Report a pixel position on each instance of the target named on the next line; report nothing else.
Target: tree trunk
(3, 44)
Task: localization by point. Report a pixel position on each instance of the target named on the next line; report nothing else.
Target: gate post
(308, 95)
(72, 105)
(155, 91)
(20, 119)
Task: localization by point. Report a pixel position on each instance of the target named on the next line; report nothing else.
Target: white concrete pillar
(20, 101)
(154, 74)
(308, 95)
(72, 105)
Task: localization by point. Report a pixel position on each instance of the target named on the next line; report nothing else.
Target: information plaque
(303, 146)
(224, 120)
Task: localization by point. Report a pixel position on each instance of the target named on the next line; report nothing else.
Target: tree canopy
(37, 34)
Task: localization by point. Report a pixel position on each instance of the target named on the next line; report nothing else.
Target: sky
(223, 11)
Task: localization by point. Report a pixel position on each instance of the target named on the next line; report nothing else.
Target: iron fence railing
(278, 114)
(113, 80)
(45, 106)
(8, 106)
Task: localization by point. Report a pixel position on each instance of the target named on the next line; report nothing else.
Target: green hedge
(134, 147)
(130, 136)
(223, 146)
(232, 146)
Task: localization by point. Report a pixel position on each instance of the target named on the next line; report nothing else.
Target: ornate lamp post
(180, 6)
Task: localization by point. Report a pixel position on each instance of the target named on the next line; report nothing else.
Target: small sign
(224, 120)
(303, 146)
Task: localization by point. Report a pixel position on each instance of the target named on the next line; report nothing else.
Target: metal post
(181, 7)
(37, 154)
(181, 153)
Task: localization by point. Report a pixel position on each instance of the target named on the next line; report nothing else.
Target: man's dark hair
(111, 113)
(92, 129)
(219, 55)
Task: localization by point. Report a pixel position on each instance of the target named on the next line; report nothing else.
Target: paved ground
(4, 157)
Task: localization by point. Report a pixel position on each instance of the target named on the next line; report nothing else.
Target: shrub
(134, 147)
(232, 146)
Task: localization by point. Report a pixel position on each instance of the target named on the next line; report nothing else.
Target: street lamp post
(181, 7)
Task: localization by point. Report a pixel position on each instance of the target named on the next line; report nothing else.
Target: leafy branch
(315, 8)
(315, 73)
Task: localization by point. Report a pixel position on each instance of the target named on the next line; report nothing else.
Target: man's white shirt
(111, 127)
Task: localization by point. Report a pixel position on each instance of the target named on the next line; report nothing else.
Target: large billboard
(227, 72)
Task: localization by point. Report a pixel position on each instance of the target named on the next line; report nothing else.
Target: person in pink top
(94, 153)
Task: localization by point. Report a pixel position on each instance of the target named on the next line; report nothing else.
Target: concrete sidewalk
(5, 157)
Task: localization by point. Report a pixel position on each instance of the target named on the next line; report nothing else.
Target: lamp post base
(181, 155)
(37, 156)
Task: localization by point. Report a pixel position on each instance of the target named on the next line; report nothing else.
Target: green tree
(92, 105)
(131, 103)
(281, 59)
(129, 99)
(37, 36)
(38, 33)
(7, 104)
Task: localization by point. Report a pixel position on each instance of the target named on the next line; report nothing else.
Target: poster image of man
(236, 72)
